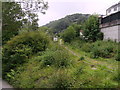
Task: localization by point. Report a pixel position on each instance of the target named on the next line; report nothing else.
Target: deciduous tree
(17, 14)
(91, 29)
(69, 34)
(11, 19)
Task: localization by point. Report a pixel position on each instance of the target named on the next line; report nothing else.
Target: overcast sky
(60, 8)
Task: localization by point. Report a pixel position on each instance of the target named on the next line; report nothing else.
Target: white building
(55, 39)
(113, 9)
(110, 25)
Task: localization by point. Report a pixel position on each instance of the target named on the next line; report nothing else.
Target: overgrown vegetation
(60, 25)
(15, 17)
(42, 69)
(91, 29)
(59, 69)
(104, 49)
(69, 34)
(32, 60)
(22, 47)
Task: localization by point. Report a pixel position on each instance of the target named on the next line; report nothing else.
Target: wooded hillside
(61, 24)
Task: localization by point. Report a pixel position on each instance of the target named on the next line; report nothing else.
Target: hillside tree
(11, 19)
(69, 34)
(14, 16)
(91, 29)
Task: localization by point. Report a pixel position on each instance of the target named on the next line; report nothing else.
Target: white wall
(112, 11)
(112, 33)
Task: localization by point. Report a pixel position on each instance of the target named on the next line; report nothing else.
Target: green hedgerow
(22, 47)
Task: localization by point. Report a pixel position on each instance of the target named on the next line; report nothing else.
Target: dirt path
(71, 51)
(90, 61)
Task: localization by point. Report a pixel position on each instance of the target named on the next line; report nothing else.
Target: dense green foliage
(14, 18)
(91, 29)
(60, 25)
(104, 49)
(32, 60)
(57, 68)
(72, 32)
(69, 34)
(45, 70)
(117, 56)
(22, 47)
(30, 23)
(58, 58)
(77, 28)
(11, 19)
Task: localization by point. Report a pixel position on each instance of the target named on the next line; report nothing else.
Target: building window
(115, 8)
(109, 10)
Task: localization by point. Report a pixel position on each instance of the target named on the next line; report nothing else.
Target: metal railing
(109, 24)
(110, 20)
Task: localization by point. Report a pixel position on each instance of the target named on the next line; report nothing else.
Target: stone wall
(112, 33)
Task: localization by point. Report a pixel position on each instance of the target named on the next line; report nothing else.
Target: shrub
(86, 47)
(91, 28)
(47, 59)
(77, 43)
(11, 75)
(22, 47)
(61, 79)
(117, 56)
(69, 34)
(95, 53)
(103, 49)
(59, 58)
(62, 58)
(79, 70)
(81, 58)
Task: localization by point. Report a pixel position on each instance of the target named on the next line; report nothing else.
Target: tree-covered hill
(61, 24)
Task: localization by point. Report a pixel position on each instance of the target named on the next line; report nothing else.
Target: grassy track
(99, 62)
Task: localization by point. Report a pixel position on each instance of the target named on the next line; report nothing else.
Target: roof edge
(113, 5)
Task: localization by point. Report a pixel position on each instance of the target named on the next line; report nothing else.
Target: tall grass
(104, 49)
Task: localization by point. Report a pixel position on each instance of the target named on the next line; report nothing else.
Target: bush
(47, 59)
(62, 58)
(103, 49)
(117, 56)
(77, 43)
(79, 70)
(61, 79)
(95, 53)
(45, 71)
(86, 47)
(69, 34)
(91, 28)
(54, 57)
(81, 58)
(59, 58)
(22, 47)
